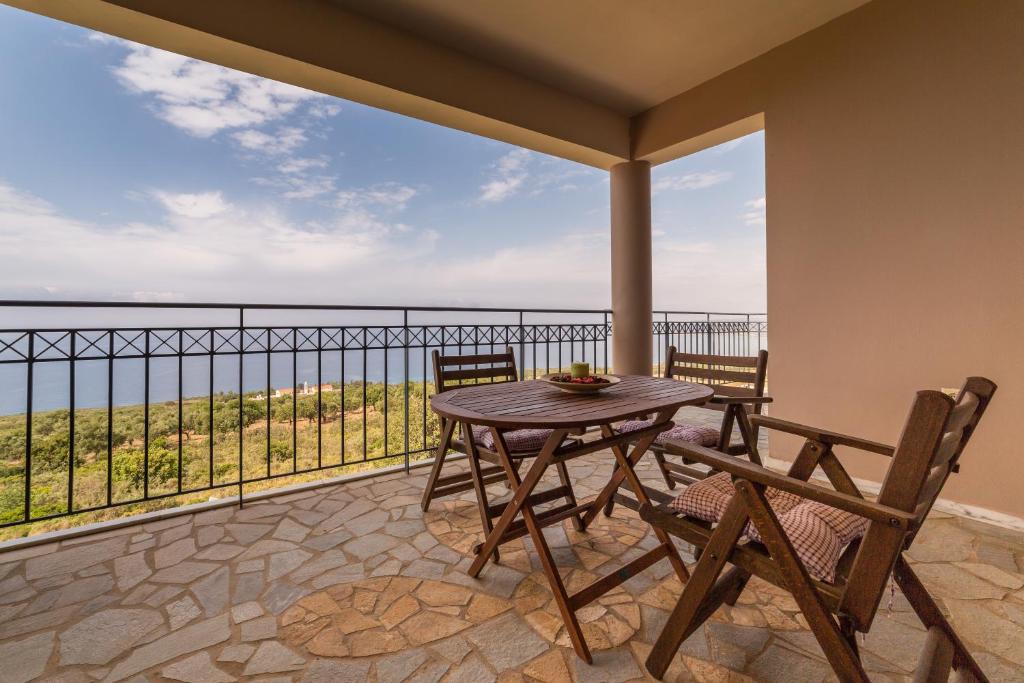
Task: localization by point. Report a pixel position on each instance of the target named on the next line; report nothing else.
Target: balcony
(352, 581)
(200, 492)
(329, 569)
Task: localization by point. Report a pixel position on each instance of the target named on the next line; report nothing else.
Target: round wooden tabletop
(530, 404)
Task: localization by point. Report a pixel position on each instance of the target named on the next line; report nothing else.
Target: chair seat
(701, 435)
(818, 532)
(518, 440)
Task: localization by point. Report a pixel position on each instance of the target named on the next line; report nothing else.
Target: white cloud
(300, 165)
(197, 253)
(360, 255)
(299, 185)
(201, 205)
(323, 110)
(756, 212)
(203, 99)
(690, 181)
(509, 175)
(102, 38)
(390, 196)
(285, 141)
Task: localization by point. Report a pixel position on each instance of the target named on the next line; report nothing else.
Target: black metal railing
(123, 403)
(722, 334)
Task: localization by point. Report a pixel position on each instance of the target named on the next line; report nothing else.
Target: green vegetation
(216, 474)
(199, 469)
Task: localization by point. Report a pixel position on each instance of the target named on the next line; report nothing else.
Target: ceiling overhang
(600, 94)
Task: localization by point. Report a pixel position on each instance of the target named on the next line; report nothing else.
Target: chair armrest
(822, 435)
(752, 400)
(745, 470)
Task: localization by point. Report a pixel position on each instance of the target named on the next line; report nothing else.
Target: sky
(130, 173)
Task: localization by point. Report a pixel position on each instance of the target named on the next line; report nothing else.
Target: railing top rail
(46, 303)
(51, 303)
(661, 312)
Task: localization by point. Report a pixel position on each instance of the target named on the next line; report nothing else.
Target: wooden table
(532, 404)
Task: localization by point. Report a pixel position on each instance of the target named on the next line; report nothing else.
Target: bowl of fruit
(579, 380)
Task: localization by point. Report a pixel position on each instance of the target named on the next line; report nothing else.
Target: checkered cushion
(818, 532)
(518, 441)
(701, 435)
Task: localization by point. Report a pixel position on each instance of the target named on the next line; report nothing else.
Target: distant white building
(305, 389)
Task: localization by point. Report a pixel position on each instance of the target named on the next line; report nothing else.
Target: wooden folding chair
(738, 382)
(484, 462)
(928, 451)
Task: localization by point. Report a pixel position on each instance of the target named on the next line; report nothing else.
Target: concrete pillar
(631, 268)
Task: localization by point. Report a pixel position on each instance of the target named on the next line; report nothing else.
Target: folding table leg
(626, 465)
(618, 475)
(572, 624)
(522, 491)
(563, 477)
(478, 483)
(447, 429)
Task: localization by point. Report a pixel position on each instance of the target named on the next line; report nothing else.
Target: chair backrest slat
(451, 371)
(739, 376)
(473, 359)
(479, 373)
(933, 438)
(718, 375)
(710, 359)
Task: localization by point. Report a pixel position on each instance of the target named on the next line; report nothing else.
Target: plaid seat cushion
(518, 441)
(818, 532)
(701, 435)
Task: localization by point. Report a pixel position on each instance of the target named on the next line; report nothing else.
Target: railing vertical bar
(241, 402)
(364, 394)
(269, 427)
(604, 334)
(386, 392)
(319, 397)
(295, 399)
(710, 347)
(533, 349)
(342, 352)
(29, 371)
(386, 354)
(181, 420)
(145, 418)
(595, 350)
(560, 345)
(476, 349)
(423, 443)
(547, 349)
(522, 348)
(71, 426)
(405, 382)
(110, 420)
(210, 412)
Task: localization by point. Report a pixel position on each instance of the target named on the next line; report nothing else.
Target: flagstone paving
(353, 582)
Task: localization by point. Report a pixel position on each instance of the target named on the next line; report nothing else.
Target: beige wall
(895, 179)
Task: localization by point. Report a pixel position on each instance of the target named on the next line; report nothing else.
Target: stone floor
(354, 582)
